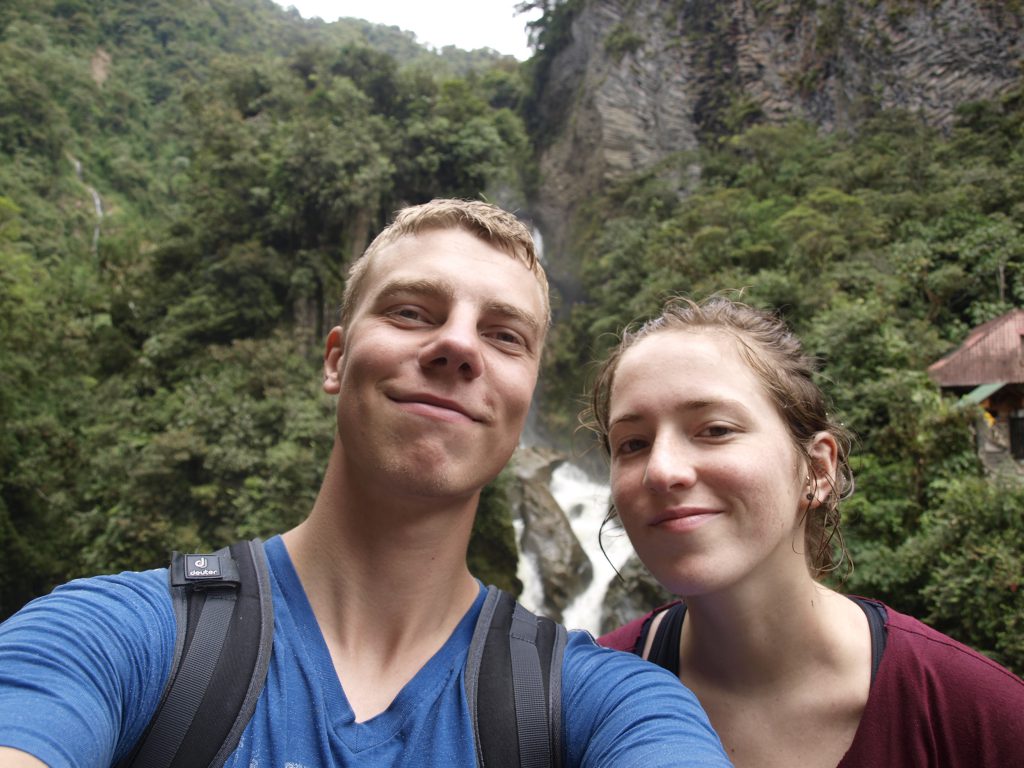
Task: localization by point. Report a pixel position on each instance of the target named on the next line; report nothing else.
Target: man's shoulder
(629, 711)
(587, 662)
(89, 661)
(121, 593)
(109, 617)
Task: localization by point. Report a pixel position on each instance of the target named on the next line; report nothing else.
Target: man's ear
(333, 351)
(823, 451)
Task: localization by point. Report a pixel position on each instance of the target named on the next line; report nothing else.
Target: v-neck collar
(421, 691)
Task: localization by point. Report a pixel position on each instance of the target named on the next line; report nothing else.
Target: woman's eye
(632, 445)
(717, 430)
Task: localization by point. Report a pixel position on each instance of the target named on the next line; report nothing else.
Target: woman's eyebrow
(687, 406)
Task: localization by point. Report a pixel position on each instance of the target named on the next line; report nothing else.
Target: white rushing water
(585, 502)
(532, 596)
(97, 204)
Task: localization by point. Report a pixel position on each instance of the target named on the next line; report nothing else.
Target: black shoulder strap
(225, 622)
(514, 675)
(665, 646)
(877, 618)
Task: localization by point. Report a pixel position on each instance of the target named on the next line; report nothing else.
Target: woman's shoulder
(916, 644)
(627, 637)
(937, 701)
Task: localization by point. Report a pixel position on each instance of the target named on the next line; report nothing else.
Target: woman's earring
(810, 496)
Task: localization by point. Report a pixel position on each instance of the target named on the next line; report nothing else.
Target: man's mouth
(434, 407)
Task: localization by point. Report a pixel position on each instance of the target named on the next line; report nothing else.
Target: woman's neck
(769, 634)
(784, 680)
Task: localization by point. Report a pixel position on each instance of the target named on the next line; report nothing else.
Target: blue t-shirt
(82, 671)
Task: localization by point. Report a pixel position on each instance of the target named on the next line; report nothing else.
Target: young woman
(726, 473)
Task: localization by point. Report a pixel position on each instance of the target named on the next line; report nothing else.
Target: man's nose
(456, 345)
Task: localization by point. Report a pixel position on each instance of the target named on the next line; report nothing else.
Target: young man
(434, 366)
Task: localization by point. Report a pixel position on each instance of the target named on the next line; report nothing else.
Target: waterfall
(97, 204)
(528, 573)
(585, 503)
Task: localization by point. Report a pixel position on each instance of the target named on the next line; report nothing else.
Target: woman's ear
(333, 351)
(823, 451)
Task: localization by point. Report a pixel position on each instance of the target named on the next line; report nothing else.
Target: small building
(988, 370)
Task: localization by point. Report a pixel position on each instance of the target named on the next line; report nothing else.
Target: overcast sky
(467, 24)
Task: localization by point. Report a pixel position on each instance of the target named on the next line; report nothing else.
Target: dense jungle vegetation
(159, 380)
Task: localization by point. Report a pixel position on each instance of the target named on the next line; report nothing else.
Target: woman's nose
(670, 464)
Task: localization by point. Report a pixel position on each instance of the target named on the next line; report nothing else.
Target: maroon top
(935, 702)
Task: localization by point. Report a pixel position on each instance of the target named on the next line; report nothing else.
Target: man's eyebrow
(514, 313)
(444, 289)
(433, 288)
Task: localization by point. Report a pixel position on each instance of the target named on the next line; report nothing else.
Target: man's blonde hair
(488, 222)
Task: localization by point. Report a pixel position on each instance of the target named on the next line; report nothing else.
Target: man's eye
(408, 313)
(507, 338)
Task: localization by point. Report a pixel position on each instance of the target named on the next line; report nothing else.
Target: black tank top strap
(876, 622)
(665, 647)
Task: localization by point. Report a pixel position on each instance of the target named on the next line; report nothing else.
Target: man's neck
(369, 571)
(387, 581)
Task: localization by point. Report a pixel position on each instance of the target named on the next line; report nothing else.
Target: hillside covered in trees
(159, 352)
(183, 184)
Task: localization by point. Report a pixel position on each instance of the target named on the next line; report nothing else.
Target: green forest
(183, 184)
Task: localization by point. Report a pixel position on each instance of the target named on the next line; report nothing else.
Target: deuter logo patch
(202, 567)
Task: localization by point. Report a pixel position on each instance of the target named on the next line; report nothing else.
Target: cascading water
(585, 503)
(97, 204)
(528, 573)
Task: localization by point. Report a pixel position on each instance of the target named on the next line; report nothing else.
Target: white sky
(468, 24)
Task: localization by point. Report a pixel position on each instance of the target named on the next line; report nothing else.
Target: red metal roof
(992, 352)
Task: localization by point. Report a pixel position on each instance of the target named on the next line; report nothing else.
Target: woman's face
(704, 473)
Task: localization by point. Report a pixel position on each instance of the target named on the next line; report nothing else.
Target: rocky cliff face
(639, 80)
(547, 538)
(633, 594)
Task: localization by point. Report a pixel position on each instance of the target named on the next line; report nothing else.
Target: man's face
(437, 367)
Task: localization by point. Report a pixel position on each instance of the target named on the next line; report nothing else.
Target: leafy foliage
(975, 556)
(182, 188)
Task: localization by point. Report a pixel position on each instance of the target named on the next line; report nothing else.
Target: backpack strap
(225, 619)
(514, 675)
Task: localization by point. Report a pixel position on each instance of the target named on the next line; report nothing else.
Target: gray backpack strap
(225, 618)
(262, 605)
(514, 675)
